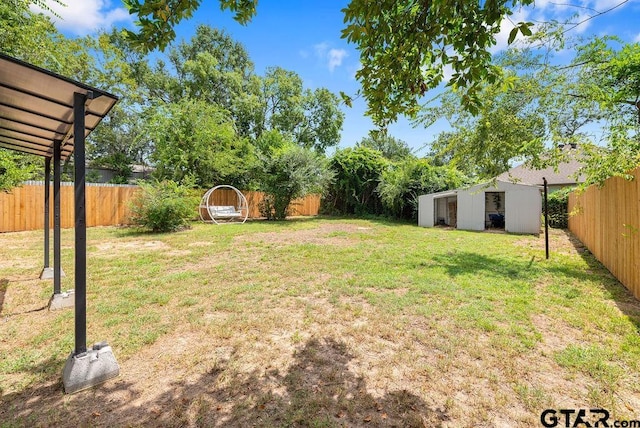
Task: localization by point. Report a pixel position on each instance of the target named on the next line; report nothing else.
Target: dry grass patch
(330, 234)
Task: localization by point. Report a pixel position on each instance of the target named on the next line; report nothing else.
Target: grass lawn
(320, 322)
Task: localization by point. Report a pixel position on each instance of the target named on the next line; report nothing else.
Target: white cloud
(83, 17)
(602, 5)
(637, 39)
(335, 58)
(321, 49)
(585, 21)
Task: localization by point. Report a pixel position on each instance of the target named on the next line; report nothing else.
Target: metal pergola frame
(49, 115)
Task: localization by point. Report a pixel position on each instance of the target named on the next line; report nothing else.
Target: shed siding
(522, 210)
(425, 211)
(471, 209)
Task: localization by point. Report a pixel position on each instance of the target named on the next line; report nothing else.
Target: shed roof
(445, 194)
(488, 186)
(36, 108)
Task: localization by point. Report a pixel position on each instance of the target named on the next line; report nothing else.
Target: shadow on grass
(458, 263)
(622, 296)
(4, 285)
(317, 390)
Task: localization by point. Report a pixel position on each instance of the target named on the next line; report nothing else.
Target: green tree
(287, 173)
(193, 138)
(508, 127)
(598, 88)
(119, 143)
(271, 140)
(16, 168)
(558, 203)
(212, 67)
(156, 19)
(402, 184)
(33, 38)
(607, 79)
(215, 68)
(404, 46)
(391, 148)
(322, 122)
(281, 95)
(121, 139)
(357, 173)
(311, 118)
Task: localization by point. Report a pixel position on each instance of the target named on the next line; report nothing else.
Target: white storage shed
(516, 208)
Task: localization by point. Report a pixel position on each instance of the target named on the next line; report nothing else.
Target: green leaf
(512, 35)
(525, 28)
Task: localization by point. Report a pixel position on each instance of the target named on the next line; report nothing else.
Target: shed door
(453, 213)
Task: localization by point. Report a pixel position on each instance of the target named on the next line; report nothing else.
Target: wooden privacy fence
(23, 208)
(107, 205)
(309, 205)
(607, 221)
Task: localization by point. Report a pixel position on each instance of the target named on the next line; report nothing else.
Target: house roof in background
(564, 175)
(36, 108)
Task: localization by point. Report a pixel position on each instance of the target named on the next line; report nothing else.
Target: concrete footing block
(47, 273)
(90, 368)
(62, 301)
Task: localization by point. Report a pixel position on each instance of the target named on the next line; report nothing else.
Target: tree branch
(595, 16)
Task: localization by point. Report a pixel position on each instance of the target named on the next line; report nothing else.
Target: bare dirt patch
(558, 335)
(24, 264)
(124, 246)
(560, 240)
(337, 234)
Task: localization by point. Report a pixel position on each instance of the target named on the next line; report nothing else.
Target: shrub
(163, 206)
(288, 173)
(16, 168)
(558, 203)
(405, 181)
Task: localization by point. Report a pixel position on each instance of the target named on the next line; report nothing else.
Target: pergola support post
(84, 368)
(59, 300)
(47, 272)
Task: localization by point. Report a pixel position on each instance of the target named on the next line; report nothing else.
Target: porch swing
(224, 204)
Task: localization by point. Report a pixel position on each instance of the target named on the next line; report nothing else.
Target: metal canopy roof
(36, 108)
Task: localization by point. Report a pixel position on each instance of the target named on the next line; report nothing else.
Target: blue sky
(304, 36)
